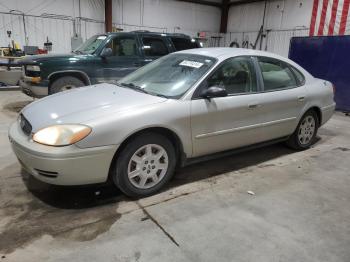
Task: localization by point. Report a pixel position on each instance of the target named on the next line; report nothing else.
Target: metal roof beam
(202, 2)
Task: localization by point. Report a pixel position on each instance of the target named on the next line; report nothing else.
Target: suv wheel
(305, 133)
(145, 165)
(65, 83)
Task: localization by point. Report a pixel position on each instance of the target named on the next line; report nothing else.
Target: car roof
(223, 53)
(150, 33)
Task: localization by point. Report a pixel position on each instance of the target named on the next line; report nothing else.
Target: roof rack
(140, 31)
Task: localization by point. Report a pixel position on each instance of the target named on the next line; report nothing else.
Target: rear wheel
(65, 83)
(305, 134)
(145, 165)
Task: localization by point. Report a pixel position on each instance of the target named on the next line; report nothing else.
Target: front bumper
(67, 165)
(33, 90)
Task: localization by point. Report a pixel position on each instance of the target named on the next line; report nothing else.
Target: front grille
(25, 125)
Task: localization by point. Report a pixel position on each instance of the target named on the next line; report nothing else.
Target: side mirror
(106, 52)
(214, 91)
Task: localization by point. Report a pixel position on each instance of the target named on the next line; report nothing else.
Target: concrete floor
(300, 210)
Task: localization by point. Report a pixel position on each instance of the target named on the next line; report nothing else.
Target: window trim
(262, 78)
(196, 93)
(296, 78)
(137, 54)
(182, 38)
(162, 38)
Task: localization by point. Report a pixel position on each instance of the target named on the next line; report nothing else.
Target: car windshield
(90, 45)
(170, 76)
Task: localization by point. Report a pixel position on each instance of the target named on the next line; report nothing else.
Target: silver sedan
(181, 107)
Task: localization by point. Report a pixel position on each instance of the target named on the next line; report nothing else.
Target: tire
(137, 174)
(65, 83)
(305, 133)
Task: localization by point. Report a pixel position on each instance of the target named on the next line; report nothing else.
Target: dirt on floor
(272, 203)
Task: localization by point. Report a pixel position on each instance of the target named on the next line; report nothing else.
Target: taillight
(333, 88)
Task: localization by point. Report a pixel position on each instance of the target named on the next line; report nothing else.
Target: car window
(90, 45)
(170, 76)
(153, 46)
(123, 46)
(236, 75)
(276, 74)
(299, 76)
(181, 43)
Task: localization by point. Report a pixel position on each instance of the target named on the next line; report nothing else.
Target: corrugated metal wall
(57, 30)
(283, 20)
(54, 19)
(33, 21)
(276, 41)
(279, 41)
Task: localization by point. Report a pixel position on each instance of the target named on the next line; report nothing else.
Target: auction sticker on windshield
(193, 64)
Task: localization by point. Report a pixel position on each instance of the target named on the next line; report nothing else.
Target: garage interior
(266, 204)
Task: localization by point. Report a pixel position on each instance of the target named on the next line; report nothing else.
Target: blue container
(326, 57)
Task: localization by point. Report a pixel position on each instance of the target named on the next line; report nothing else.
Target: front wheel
(145, 165)
(65, 83)
(305, 133)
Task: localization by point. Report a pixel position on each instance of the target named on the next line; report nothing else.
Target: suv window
(153, 46)
(181, 43)
(90, 45)
(276, 74)
(236, 75)
(123, 46)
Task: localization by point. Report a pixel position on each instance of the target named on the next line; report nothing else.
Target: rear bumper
(68, 165)
(33, 90)
(327, 113)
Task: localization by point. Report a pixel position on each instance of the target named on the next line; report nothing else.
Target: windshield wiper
(134, 87)
(162, 96)
(138, 88)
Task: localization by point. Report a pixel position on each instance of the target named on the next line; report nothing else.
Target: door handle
(252, 106)
(301, 98)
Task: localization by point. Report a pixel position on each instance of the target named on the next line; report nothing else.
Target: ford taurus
(183, 106)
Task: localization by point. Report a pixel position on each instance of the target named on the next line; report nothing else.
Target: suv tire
(65, 83)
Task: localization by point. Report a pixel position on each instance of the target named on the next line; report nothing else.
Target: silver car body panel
(203, 126)
(82, 104)
(69, 165)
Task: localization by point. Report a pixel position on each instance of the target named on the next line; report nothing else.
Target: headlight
(33, 68)
(61, 135)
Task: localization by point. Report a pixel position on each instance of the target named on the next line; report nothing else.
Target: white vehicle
(183, 106)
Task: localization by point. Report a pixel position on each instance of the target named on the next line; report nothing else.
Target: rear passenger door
(282, 99)
(153, 47)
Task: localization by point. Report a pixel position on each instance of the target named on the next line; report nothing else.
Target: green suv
(102, 58)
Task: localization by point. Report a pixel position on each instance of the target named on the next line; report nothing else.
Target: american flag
(330, 17)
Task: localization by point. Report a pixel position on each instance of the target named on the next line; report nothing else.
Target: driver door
(125, 58)
(233, 121)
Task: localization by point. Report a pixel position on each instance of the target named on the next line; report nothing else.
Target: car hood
(37, 59)
(83, 104)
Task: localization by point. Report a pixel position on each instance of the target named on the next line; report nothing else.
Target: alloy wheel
(148, 166)
(306, 130)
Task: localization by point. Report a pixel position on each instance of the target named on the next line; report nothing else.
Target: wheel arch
(75, 73)
(173, 137)
(318, 112)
